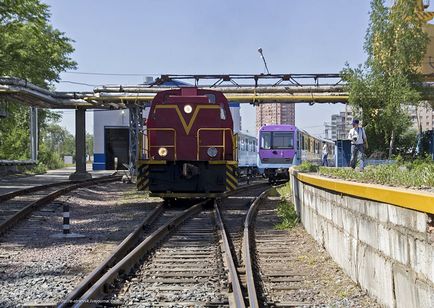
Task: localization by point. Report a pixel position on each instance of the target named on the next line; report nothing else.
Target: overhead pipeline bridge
(254, 89)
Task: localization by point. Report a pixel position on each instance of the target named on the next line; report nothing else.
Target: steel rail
(120, 252)
(247, 252)
(122, 259)
(233, 274)
(9, 223)
(96, 291)
(13, 194)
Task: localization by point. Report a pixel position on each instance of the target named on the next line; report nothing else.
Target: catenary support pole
(34, 133)
(80, 147)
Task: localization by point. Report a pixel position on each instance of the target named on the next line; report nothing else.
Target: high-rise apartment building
(340, 125)
(273, 113)
(423, 116)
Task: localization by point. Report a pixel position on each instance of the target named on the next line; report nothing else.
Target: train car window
(222, 113)
(283, 140)
(211, 98)
(266, 140)
(242, 146)
(247, 145)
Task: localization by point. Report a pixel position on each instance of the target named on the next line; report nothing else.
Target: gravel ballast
(38, 268)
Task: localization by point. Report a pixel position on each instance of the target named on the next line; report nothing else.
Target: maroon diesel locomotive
(188, 147)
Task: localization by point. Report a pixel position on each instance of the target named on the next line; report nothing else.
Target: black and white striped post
(66, 226)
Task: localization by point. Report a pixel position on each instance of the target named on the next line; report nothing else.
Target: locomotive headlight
(212, 152)
(162, 152)
(188, 109)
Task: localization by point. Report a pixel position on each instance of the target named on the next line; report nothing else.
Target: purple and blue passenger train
(283, 146)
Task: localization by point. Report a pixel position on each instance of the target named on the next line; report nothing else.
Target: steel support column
(136, 124)
(34, 133)
(80, 147)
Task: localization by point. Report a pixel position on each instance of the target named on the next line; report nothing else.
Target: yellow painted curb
(419, 201)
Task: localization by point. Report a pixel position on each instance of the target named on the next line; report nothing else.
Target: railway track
(267, 254)
(183, 258)
(19, 204)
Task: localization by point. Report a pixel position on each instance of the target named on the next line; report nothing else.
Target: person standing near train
(325, 154)
(359, 142)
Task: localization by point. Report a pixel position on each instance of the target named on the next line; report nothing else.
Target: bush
(307, 167)
(50, 159)
(418, 174)
(287, 214)
(40, 168)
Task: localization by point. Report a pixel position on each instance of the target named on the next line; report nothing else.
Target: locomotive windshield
(277, 140)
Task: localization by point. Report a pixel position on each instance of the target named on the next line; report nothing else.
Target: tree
(89, 144)
(388, 83)
(31, 49)
(59, 140)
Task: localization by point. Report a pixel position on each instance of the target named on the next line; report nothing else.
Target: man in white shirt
(324, 161)
(359, 141)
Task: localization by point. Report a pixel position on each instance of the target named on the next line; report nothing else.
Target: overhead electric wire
(110, 74)
(79, 83)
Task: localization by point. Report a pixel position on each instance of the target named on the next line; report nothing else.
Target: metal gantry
(135, 127)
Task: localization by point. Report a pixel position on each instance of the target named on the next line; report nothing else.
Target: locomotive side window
(266, 140)
(283, 140)
(211, 98)
(222, 113)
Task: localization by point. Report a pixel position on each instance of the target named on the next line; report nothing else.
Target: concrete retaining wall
(15, 166)
(384, 248)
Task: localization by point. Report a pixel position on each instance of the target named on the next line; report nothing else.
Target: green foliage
(50, 159)
(89, 144)
(406, 143)
(382, 89)
(31, 49)
(39, 169)
(284, 190)
(417, 174)
(59, 140)
(307, 166)
(15, 133)
(286, 212)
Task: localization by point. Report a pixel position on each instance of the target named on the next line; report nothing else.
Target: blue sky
(201, 36)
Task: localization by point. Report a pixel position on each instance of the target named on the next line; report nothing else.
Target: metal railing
(221, 146)
(162, 146)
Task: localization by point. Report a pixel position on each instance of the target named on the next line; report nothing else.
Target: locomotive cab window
(283, 140)
(211, 98)
(222, 113)
(266, 140)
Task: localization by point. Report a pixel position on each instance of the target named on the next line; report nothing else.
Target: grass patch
(285, 209)
(417, 174)
(284, 190)
(307, 167)
(287, 214)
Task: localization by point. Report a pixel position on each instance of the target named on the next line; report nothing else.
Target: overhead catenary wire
(111, 74)
(80, 83)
